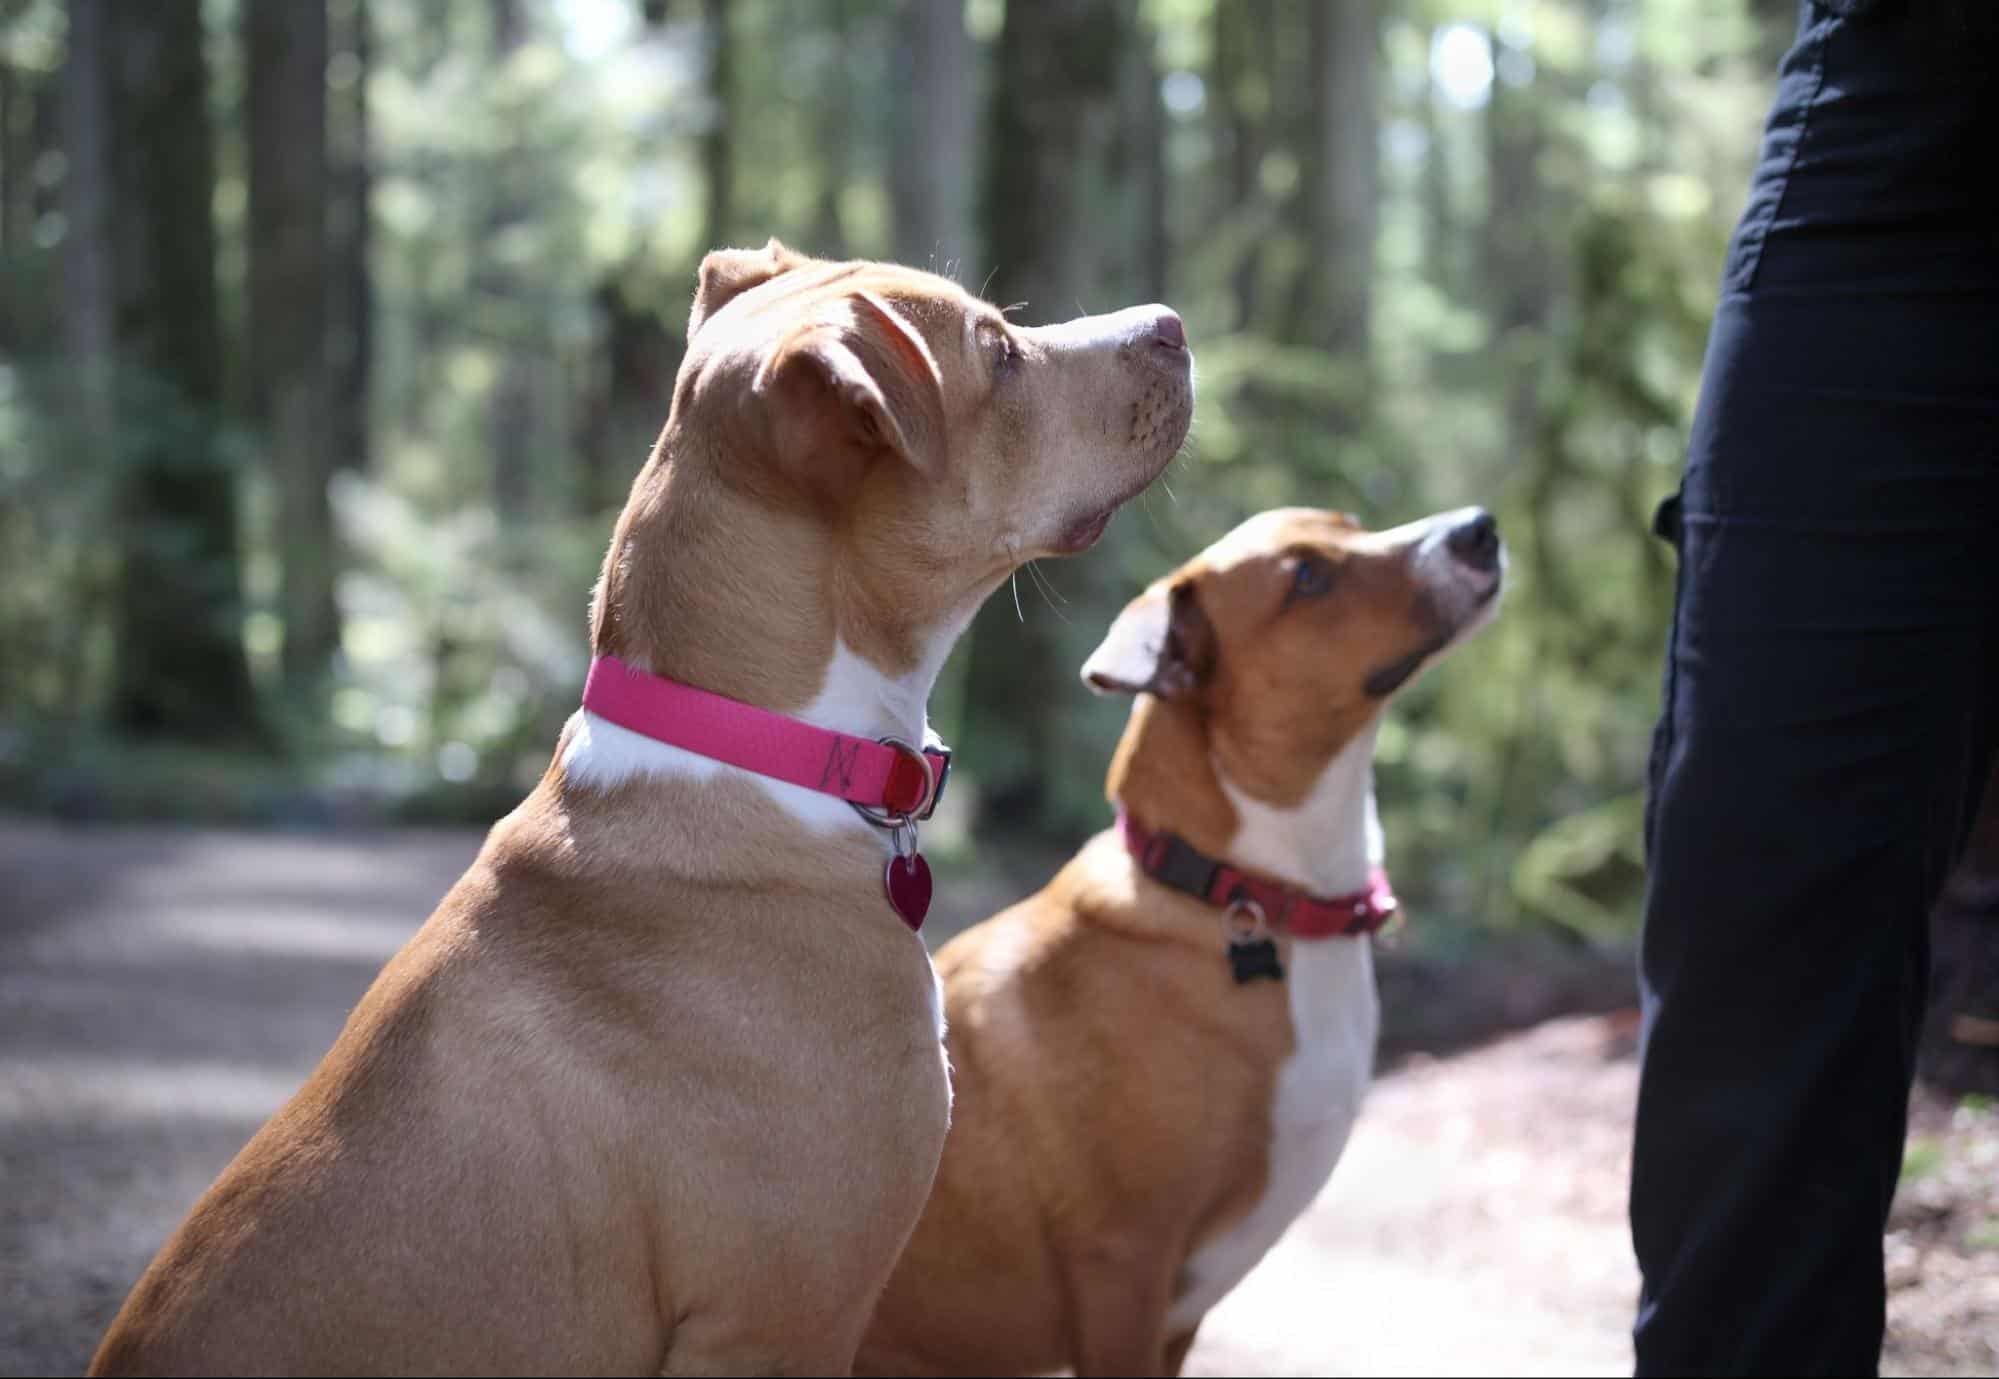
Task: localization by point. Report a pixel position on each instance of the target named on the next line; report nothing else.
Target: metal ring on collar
(883, 817)
(1245, 908)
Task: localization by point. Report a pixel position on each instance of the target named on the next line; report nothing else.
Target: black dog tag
(1253, 958)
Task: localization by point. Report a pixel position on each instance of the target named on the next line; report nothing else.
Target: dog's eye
(1311, 578)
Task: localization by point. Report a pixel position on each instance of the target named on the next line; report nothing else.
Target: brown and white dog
(1135, 1124)
(659, 1086)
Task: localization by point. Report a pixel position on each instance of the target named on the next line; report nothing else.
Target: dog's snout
(1475, 541)
(1168, 331)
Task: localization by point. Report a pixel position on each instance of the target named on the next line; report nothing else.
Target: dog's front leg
(1121, 1295)
(1176, 1351)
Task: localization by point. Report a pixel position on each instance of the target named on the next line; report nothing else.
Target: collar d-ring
(883, 817)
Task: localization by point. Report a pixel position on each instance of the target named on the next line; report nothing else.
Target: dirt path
(161, 992)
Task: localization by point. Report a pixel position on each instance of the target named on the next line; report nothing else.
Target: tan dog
(1134, 1124)
(659, 1085)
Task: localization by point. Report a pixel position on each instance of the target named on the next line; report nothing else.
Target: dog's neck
(742, 603)
(1328, 843)
(1167, 773)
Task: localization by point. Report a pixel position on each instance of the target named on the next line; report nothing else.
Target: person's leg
(1830, 706)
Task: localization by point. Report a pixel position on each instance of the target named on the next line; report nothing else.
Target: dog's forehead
(1271, 533)
(932, 304)
(937, 307)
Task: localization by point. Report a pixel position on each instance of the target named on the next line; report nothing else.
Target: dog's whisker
(1014, 581)
(1047, 589)
(1043, 592)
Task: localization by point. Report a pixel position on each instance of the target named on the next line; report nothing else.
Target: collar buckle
(1181, 867)
(941, 779)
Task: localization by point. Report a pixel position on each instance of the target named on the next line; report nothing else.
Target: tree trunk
(717, 166)
(86, 289)
(1517, 267)
(1142, 164)
(514, 406)
(285, 53)
(1242, 35)
(181, 670)
(931, 181)
(1443, 246)
(351, 304)
(17, 185)
(626, 397)
(834, 132)
(1339, 182)
(1054, 117)
(30, 127)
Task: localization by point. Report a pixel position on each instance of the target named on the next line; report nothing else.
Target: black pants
(1831, 697)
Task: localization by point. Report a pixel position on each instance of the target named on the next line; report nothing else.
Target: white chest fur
(1334, 1017)
(1327, 844)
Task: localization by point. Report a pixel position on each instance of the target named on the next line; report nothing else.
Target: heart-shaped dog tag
(907, 881)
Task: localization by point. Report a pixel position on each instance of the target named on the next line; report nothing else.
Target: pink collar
(1171, 861)
(890, 783)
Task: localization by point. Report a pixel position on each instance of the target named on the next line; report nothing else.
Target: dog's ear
(854, 383)
(728, 273)
(1161, 644)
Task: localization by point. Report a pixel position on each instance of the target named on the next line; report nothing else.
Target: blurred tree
(140, 104)
(834, 131)
(930, 173)
(1518, 271)
(24, 136)
(1139, 165)
(1338, 202)
(717, 156)
(629, 375)
(285, 51)
(351, 302)
(1054, 113)
(1242, 39)
(513, 405)
(87, 302)
(623, 408)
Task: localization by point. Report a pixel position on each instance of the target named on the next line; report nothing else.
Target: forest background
(332, 333)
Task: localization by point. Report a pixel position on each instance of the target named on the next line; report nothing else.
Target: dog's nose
(1475, 541)
(1168, 332)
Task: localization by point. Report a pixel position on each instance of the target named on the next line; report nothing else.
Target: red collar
(890, 783)
(1171, 861)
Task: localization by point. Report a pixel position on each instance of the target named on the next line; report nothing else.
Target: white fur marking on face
(1455, 586)
(855, 697)
(1328, 844)
(1128, 656)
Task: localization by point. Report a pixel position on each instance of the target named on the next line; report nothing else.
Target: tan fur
(1114, 1084)
(658, 1087)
